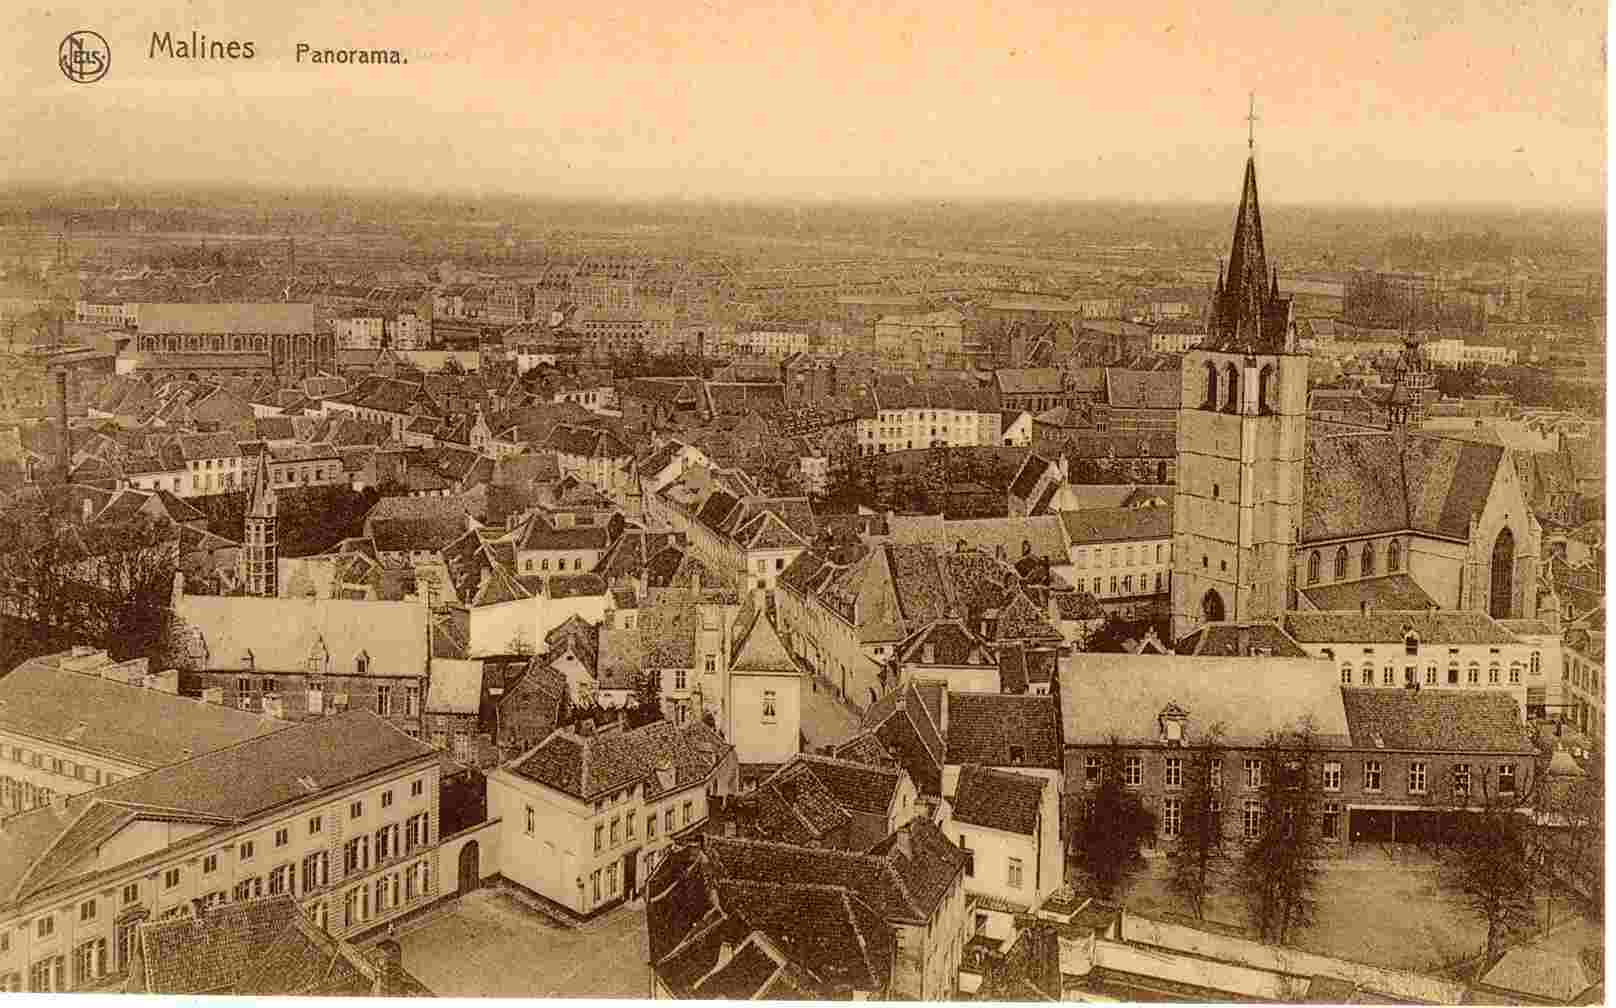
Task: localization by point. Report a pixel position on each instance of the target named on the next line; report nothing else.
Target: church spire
(1248, 314)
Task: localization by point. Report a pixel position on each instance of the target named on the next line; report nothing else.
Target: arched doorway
(1501, 599)
(469, 874)
(1212, 607)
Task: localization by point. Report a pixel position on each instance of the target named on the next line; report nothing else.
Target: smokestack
(61, 412)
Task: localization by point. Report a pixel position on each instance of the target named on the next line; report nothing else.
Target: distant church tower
(1242, 431)
(258, 550)
(1412, 382)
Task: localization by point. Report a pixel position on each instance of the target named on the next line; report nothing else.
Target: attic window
(1018, 754)
(362, 664)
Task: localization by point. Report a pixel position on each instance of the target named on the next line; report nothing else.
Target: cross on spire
(1251, 123)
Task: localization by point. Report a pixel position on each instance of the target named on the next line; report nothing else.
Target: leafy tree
(1488, 862)
(1113, 826)
(647, 705)
(1200, 856)
(1278, 873)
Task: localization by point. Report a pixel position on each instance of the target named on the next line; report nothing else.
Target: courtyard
(489, 943)
(1379, 904)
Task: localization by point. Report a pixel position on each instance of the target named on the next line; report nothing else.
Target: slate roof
(401, 524)
(611, 760)
(1117, 524)
(265, 772)
(281, 634)
(143, 726)
(1123, 695)
(997, 537)
(1442, 626)
(999, 800)
(268, 318)
(1143, 389)
(455, 687)
(1389, 591)
(1434, 720)
(983, 726)
(758, 648)
(1359, 484)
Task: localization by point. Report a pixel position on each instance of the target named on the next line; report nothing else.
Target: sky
(1366, 102)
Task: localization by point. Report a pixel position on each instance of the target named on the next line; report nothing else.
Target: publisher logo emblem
(85, 57)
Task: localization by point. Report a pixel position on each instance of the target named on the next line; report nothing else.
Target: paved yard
(825, 719)
(1380, 905)
(489, 944)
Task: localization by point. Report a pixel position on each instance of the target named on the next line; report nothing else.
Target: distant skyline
(1377, 103)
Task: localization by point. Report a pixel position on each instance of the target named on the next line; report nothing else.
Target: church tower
(258, 554)
(1242, 431)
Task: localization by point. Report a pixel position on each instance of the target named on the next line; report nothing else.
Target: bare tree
(1278, 873)
(1200, 856)
(1114, 824)
(1488, 860)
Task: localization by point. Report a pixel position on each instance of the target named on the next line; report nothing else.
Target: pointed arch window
(1368, 561)
(1265, 390)
(1394, 557)
(362, 663)
(1313, 567)
(1211, 387)
(1340, 562)
(1231, 399)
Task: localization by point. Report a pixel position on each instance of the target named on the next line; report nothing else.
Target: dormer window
(1411, 642)
(362, 664)
(1171, 723)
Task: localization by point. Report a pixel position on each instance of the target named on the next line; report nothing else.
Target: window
(1340, 562)
(1371, 775)
(383, 699)
(1330, 821)
(1173, 776)
(1506, 779)
(1453, 675)
(1251, 818)
(1013, 873)
(616, 822)
(171, 878)
(210, 864)
(1133, 771)
(387, 798)
(628, 827)
(594, 884)
(600, 838)
(710, 664)
(281, 837)
(131, 892)
(680, 680)
(87, 910)
(1332, 776)
(1388, 676)
(248, 889)
(529, 821)
(1492, 675)
(1416, 777)
(1430, 675)
(1253, 773)
(89, 961)
(1369, 675)
(315, 823)
(280, 878)
(1313, 567)
(1394, 556)
(1172, 817)
(768, 707)
(316, 871)
(684, 814)
(1515, 674)
(1346, 675)
(1461, 780)
(356, 855)
(1473, 674)
(48, 974)
(1214, 774)
(246, 850)
(356, 810)
(1091, 770)
(417, 788)
(650, 826)
(667, 821)
(1368, 561)
(1537, 664)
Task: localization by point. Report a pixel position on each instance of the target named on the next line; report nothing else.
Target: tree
(1113, 826)
(107, 583)
(1199, 858)
(1278, 873)
(647, 701)
(1488, 862)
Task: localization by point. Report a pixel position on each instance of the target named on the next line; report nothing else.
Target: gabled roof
(586, 766)
(1117, 524)
(1441, 626)
(1390, 591)
(1367, 483)
(43, 700)
(1435, 720)
(989, 728)
(999, 799)
(265, 772)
